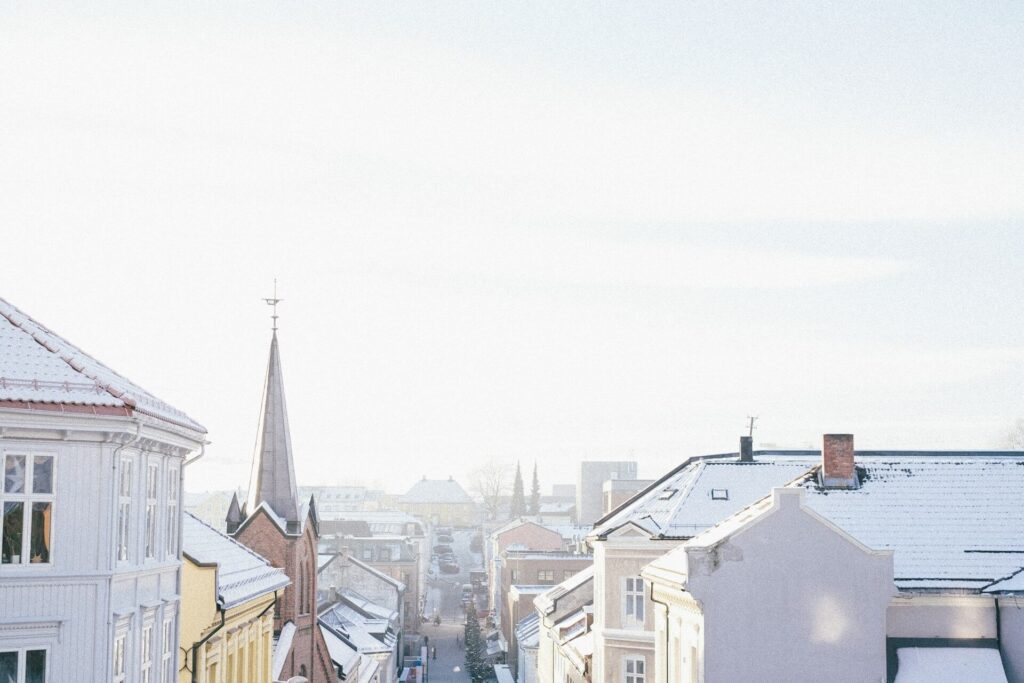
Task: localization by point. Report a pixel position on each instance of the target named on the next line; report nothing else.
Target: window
(120, 656)
(172, 513)
(152, 473)
(23, 666)
(719, 494)
(633, 609)
(568, 574)
(635, 670)
(26, 506)
(367, 553)
(147, 653)
(545, 576)
(124, 511)
(167, 672)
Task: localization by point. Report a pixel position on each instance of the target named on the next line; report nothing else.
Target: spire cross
(274, 301)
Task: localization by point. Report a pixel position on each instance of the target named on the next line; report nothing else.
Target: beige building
(228, 594)
(438, 501)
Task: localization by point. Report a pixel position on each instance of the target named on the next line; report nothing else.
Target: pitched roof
(282, 646)
(436, 491)
(953, 521)
(242, 575)
(528, 631)
(273, 472)
(38, 366)
(703, 491)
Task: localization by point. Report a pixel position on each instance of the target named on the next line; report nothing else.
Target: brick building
(276, 526)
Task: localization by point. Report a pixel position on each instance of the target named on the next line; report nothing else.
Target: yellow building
(227, 609)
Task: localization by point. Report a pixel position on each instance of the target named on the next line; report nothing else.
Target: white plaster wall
(1011, 618)
(791, 599)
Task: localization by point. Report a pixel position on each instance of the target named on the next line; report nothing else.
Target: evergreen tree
(518, 507)
(535, 492)
(476, 665)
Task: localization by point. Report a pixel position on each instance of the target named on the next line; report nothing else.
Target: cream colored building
(227, 609)
(870, 567)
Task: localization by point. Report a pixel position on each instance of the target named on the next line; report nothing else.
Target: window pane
(41, 513)
(42, 474)
(10, 548)
(8, 667)
(35, 666)
(14, 474)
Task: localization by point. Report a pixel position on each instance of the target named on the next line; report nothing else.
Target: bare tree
(490, 483)
(1014, 439)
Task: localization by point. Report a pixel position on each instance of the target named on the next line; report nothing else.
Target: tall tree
(535, 492)
(518, 506)
(476, 664)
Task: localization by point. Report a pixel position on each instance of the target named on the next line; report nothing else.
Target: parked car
(442, 549)
(449, 568)
(445, 538)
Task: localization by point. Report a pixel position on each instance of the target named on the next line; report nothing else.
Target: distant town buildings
(91, 502)
(590, 486)
(439, 501)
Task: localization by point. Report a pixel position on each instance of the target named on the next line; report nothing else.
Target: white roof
(436, 491)
(39, 366)
(242, 575)
(701, 493)
(282, 646)
(949, 665)
(528, 631)
(358, 629)
(342, 653)
(503, 673)
(953, 522)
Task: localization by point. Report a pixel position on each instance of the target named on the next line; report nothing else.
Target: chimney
(837, 462)
(746, 449)
(332, 594)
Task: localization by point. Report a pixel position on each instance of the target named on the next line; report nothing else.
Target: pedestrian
(433, 652)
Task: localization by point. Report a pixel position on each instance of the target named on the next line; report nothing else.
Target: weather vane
(274, 301)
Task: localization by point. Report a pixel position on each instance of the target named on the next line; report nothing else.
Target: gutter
(665, 605)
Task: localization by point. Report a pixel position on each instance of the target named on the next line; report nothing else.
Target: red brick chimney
(837, 462)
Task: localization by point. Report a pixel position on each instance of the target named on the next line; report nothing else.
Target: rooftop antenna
(753, 419)
(274, 301)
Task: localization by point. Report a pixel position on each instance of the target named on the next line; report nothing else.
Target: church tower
(275, 525)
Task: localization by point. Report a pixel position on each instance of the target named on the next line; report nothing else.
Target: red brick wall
(532, 537)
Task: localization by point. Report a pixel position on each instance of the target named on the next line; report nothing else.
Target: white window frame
(146, 649)
(123, 635)
(167, 649)
(633, 603)
(22, 656)
(125, 488)
(28, 499)
(173, 492)
(545, 575)
(634, 669)
(152, 511)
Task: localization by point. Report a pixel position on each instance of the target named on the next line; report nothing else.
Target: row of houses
(104, 577)
(836, 565)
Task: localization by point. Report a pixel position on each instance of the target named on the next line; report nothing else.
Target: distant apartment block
(589, 489)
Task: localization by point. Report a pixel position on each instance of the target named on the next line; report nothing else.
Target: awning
(949, 665)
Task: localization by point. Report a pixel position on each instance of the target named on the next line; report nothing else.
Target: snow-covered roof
(242, 575)
(366, 634)
(436, 491)
(702, 492)
(546, 600)
(528, 631)
(949, 665)
(38, 366)
(282, 646)
(503, 674)
(342, 652)
(953, 522)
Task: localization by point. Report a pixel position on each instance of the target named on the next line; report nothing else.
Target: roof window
(719, 494)
(667, 493)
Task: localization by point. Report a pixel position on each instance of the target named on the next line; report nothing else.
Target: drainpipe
(665, 605)
(196, 646)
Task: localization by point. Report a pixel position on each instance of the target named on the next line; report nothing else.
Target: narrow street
(444, 599)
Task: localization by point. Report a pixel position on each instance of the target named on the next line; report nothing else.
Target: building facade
(228, 594)
(590, 486)
(91, 515)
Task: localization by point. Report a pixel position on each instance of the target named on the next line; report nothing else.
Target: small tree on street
(476, 666)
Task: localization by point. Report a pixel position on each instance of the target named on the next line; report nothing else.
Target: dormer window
(667, 494)
(719, 494)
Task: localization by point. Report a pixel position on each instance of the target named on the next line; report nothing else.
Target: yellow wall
(240, 652)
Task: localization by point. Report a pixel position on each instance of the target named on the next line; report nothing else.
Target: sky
(531, 231)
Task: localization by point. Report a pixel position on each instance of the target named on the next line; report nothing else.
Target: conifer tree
(535, 492)
(518, 506)
(476, 666)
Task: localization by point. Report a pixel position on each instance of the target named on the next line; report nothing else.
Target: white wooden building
(91, 515)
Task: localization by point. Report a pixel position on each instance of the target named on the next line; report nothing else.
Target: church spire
(273, 472)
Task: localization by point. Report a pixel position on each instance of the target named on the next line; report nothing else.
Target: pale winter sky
(547, 231)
